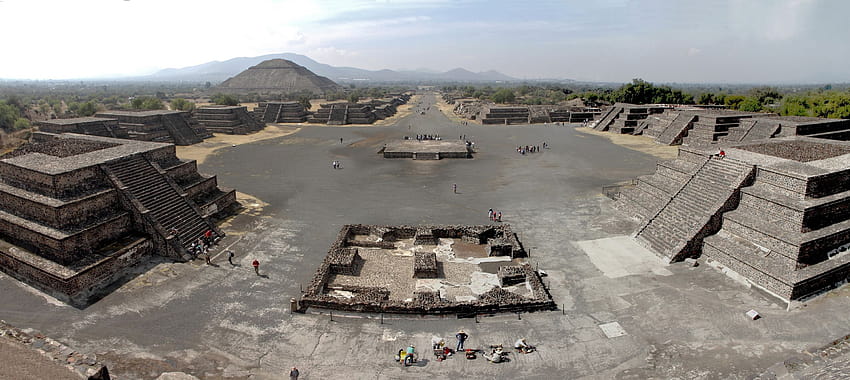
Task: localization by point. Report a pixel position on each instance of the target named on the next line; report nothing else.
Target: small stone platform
(427, 149)
(388, 269)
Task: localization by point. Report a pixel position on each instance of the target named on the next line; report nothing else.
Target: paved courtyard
(225, 322)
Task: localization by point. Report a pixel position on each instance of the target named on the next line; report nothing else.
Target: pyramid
(277, 76)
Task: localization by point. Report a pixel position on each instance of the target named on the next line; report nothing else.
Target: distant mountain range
(218, 71)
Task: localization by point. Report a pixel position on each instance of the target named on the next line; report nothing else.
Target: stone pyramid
(277, 76)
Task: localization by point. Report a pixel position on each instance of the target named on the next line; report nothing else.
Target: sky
(672, 41)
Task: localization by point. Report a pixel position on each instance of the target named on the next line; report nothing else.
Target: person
(437, 342)
(409, 358)
(340, 140)
(520, 344)
(461, 338)
(230, 257)
(256, 265)
(454, 188)
(500, 217)
(293, 374)
(207, 257)
(490, 214)
(721, 154)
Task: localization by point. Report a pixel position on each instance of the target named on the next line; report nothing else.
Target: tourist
(461, 338)
(293, 374)
(721, 154)
(490, 214)
(500, 217)
(207, 257)
(340, 140)
(256, 265)
(454, 188)
(230, 257)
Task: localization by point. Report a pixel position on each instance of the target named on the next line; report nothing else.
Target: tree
(8, 116)
(182, 104)
(83, 109)
(732, 101)
(21, 124)
(146, 103)
(225, 100)
(353, 97)
(750, 104)
(304, 100)
(706, 98)
(504, 96)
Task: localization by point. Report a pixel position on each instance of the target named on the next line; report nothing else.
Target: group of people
(424, 137)
(336, 164)
(494, 215)
(495, 355)
(529, 149)
(203, 244)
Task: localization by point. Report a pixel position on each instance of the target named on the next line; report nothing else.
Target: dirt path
(638, 143)
(201, 151)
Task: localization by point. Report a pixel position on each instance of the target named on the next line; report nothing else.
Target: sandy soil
(448, 110)
(638, 143)
(201, 151)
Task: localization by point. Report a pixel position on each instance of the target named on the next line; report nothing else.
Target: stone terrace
(427, 149)
(773, 212)
(75, 210)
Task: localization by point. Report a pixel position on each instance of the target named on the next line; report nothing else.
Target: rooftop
(77, 152)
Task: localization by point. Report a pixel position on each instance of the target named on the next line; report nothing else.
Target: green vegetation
(88, 108)
(146, 103)
(10, 116)
(182, 104)
(225, 100)
(504, 96)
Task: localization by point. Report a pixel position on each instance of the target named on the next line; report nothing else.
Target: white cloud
(692, 52)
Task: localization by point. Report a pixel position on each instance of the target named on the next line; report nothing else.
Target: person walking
(490, 214)
(340, 140)
(454, 188)
(230, 257)
(293, 374)
(500, 216)
(256, 265)
(461, 338)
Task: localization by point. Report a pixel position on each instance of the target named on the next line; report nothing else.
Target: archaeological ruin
(701, 125)
(234, 120)
(77, 210)
(281, 112)
(175, 127)
(277, 76)
(489, 113)
(426, 270)
(773, 211)
(427, 149)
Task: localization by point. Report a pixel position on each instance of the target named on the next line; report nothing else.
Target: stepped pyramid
(277, 76)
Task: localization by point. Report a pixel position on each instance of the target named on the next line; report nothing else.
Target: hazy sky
(606, 40)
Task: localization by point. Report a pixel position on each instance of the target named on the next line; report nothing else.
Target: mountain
(218, 71)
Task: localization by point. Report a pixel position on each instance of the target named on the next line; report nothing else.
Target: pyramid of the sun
(277, 76)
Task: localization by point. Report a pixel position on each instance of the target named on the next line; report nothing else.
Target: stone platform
(390, 269)
(427, 149)
(76, 210)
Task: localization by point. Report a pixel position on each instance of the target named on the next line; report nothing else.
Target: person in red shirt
(256, 265)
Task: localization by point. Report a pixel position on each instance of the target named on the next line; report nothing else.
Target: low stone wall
(86, 366)
(68, 286)
(375, 299)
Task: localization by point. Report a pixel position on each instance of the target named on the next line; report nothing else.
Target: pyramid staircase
(673, 134)
(676, 231)
(154, 195)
